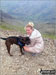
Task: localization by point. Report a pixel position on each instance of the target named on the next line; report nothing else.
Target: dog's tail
(3, 38)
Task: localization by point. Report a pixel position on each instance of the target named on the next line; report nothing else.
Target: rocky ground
(25, 64)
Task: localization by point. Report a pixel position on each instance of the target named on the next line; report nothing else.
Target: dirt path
(25, 64)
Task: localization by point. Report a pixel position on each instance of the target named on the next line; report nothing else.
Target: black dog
(21, 41)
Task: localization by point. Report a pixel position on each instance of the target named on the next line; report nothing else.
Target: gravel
(25, 64)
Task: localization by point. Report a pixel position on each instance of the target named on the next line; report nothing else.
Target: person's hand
(26, 48)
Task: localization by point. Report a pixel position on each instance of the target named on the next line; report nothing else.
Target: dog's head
(25, 40)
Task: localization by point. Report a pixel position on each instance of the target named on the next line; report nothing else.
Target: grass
(49, 36)
(12, 27)
(5, 26)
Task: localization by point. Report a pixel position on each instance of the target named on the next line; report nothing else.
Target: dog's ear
(27, 38)
(21, 38)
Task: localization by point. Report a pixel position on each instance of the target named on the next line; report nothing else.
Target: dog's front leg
(21, 51)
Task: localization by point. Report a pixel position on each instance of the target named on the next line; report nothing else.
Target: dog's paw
(21, 54)
(11, 55)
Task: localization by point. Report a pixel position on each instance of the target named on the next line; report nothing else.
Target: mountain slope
(37, 11)
(7, 18)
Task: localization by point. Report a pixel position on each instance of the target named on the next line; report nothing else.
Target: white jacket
(37, 43)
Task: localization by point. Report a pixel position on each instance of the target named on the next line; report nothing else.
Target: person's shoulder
(37, 32)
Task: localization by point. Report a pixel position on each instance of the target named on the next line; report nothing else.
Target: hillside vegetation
(5, 26)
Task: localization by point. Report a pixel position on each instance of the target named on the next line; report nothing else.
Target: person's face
(28, 30)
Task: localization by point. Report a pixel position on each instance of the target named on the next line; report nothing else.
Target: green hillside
(6, 26)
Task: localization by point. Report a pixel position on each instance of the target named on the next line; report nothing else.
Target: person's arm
(26, 48)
